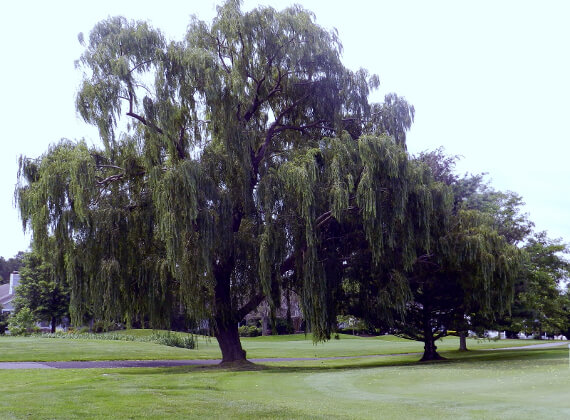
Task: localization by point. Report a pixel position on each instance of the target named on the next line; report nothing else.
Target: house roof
(5, 295)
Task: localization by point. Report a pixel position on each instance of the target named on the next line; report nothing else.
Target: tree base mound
(239, 365)
(432, 357)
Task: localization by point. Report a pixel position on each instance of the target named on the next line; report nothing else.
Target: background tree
(41, 291)
(471, 269)
(541, 300)
(239, 171)
(464, 266)
(501, 212)
(9, 266)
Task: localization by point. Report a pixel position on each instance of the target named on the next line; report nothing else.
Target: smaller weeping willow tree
(471, 268)
(238, 162)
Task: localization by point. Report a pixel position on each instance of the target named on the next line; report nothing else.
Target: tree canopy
(468, 268)
(239, 161)
(541, 301)
(245, 160)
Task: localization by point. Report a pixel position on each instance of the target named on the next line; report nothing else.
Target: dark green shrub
(249, 331)
(104, 326)
(3, 322)
(284, 326)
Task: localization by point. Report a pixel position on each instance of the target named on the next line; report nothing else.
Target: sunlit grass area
(299, 345)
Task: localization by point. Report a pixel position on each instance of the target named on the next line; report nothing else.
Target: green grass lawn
(299, 345)
(505, 384)
(492, 385)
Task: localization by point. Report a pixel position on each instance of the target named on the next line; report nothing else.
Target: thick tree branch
(219, 43)
(260, 154)
(256, 101)
(139, 65)
(145, 122)
(251, 305)
(110, 179)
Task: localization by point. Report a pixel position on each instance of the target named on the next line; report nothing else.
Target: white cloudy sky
(490, 80)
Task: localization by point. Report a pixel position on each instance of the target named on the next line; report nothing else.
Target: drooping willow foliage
(239, 161)
(468, 275)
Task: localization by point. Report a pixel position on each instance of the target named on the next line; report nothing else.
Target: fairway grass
(299, 345)
(521, 384)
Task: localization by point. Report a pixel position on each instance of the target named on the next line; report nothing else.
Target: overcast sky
(490, 80)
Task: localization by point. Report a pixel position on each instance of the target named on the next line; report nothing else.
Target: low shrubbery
(173, 340)
(3, 321)
(166, 338)
(80, 335)
(22, 322)
(249, 331)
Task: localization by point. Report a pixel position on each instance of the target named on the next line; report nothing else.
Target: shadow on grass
(475, 359)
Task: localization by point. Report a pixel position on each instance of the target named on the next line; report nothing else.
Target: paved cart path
(111, 364)
(535, 346)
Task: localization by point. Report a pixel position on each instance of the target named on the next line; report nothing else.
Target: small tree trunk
(462, 341)
(265, 325)
(430, 349)
(53, 324)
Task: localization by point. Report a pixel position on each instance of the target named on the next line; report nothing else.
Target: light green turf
(49, 349)
(477, 385)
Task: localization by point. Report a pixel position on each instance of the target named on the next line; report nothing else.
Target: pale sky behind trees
(490, 81)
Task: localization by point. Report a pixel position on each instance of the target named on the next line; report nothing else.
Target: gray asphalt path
(112, 364)
(535, 346)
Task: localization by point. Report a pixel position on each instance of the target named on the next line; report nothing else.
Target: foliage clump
(22, 322)
(167, 338)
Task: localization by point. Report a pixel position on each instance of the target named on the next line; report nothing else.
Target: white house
(7, 292)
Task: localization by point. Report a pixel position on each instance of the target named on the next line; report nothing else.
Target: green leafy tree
(244, 168)
(472, 270)
(501, 213)
(541, 301)
(41, 291)
(467, 267)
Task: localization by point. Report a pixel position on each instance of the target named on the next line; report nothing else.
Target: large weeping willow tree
(239, 161)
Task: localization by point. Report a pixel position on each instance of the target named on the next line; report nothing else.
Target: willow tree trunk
(226, 324)
(53, 324)
(230, 344)
(462, 341)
